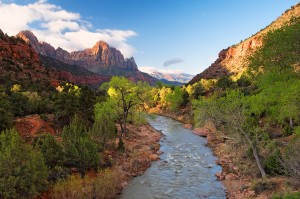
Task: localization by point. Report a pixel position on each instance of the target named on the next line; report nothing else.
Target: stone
(203, 132)
(153, 157)
(188, 126)
(230, 176)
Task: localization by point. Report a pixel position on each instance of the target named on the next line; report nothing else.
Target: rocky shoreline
(141, 148)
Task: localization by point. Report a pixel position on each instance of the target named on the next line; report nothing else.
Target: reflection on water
(186, 170)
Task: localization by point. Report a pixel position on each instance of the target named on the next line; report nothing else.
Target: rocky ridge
(101, 55)
(20, 63)
(233, 60)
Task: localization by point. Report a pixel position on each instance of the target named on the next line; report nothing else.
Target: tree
(23, 172)
(233, 111)
(104, 127)
(127, 96)
(175, 98)
(79, 148)
(51, 150)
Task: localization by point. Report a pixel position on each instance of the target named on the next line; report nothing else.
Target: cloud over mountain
(60, 27)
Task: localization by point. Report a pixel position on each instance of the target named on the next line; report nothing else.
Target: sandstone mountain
(100, 56)
(101, 60)
(20, 63)
(233, 60)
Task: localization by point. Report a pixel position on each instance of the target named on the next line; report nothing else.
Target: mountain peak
(100, 56)
(28, 37)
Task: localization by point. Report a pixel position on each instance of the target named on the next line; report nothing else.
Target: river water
(186, 170)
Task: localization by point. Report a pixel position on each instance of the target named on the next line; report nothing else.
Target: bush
(72, 188)
(6, 119)
(291, 159)
(263, 185)
(273, 164)
(51, 150)
(104, 186)
(107, 185)
(295, 195)
(79, 148)
(23, 172)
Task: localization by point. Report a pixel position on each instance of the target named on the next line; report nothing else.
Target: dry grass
(105, 186)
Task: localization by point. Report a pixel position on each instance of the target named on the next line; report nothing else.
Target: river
(186, 169)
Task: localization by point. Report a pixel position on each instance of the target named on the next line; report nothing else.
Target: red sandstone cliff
(233, 60)
(101, 55)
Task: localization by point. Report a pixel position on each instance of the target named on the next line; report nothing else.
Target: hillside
(233, 60)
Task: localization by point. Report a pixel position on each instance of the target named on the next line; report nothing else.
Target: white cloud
(59, 27)
(150, 69)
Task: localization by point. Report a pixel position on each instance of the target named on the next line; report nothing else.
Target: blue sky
(184, 35)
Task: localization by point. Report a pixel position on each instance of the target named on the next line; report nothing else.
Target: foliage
(79, 148)
(73, 100)
(23, 172)
(273, 163)
(72, 188)
(51, 150)
(127, 97)
(291, 159)
(106, 185)
(295, 195)
(6, 119)
(104, 128)
(195, 91)
(263, 185)
(280, 50)
(224, 82)
(176, 99)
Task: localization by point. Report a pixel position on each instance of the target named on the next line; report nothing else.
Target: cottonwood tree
(232, 111)
(127, 97)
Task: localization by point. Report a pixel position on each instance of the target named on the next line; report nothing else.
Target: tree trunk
(255, 154)
(291, 122)
(124, 123)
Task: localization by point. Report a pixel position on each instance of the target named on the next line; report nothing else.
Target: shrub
(263, 185)
(79, 148)
(107, 185)
(273, 163)
(23, 172)
(295, 195)
(51, 150)
(291, 159)
(6, 119)
(72, 188)
(104, 186)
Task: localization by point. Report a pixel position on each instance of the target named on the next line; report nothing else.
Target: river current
(186, 169)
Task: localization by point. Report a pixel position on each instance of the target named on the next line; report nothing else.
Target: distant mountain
(101, 55)
(169, 76)
(101, 59)
(233, 60)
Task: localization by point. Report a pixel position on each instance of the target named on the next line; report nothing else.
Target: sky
(166, 35)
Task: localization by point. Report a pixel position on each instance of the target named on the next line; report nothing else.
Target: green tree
(104, 127)
(23, 172)
(51, 150)
(175, 98)
(127, 97)
(232, 110)
(79, 148)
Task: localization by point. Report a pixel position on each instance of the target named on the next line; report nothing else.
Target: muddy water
(186, 170)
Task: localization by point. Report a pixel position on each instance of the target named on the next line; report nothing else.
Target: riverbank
(239, 176)
(141, 147)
